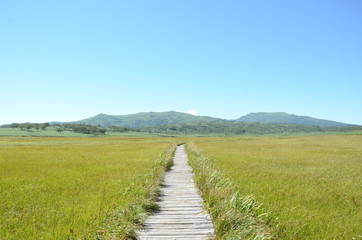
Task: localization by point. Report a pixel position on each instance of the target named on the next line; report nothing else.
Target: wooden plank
(173, 232)
(200, 217)
(177, 197)
(176, 238)
(178, 226)
(186, 222)
(194, 237)
(180, 207)
(181, 213)
(180, 193)
(178, 190)
(179, 201)
(172, 222)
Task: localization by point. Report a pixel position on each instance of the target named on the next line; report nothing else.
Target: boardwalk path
(181, 214)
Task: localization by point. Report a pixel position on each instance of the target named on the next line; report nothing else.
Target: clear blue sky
(68, 60)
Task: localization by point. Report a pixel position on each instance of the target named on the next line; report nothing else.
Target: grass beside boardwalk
(311, 186)
(234, 216)
(78, 188)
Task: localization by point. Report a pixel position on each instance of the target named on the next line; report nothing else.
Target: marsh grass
(234, 215)
(53, 189)
(311, 186)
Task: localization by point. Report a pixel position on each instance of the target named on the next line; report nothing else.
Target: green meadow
(309, 186)
(78, 188)
(291, 187)
(52, 132)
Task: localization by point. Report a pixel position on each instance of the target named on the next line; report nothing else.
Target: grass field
(102, 188)
(78, 188)
(51, 132)
(311, 186)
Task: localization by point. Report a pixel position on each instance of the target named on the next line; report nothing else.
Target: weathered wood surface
(181, 215)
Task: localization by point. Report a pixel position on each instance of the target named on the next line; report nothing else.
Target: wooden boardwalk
(181, 215)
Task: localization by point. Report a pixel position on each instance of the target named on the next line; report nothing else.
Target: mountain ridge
(286, 118)
(145, 119)
(154, 119)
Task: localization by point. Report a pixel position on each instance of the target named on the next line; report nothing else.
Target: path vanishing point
(181, 215)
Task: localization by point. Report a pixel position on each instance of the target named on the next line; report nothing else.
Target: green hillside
(151, 119)
(285, 118)
(147, 119)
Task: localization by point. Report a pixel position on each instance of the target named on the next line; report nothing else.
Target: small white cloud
(192, 112)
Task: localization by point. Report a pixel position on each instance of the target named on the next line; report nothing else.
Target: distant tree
(85, 129)
(241, 131)
(98, 131)
(14, 125)
(59, 129)
(119, 129)
(43, 126)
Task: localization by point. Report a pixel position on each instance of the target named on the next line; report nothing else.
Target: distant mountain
(102, 120)
(154, 119)
(146, 119)
(285, 118)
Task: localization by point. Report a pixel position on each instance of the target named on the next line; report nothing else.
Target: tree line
(81, 128)
(61, 127)
(223, 128)
(28, 126)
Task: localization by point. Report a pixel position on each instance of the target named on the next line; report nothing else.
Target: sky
(69, 60)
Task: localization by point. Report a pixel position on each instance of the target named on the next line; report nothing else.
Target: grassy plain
(78, 188)
(51, 132)
(201, 130)
(310, 185)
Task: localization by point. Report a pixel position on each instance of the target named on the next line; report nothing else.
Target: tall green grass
(311, 186)
(234, 216)
(87, 189)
